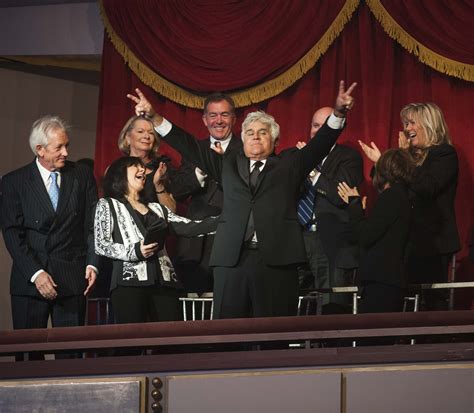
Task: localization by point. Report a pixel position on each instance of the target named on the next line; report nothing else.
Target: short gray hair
(41, 128)
(266, 119)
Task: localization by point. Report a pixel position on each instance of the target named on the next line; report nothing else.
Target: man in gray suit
(47, 222)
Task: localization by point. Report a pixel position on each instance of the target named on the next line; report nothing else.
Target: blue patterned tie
(54, 189)
(306, 204)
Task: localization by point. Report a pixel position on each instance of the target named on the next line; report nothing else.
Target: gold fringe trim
(241, 98)
(90, 63)
(427, 56)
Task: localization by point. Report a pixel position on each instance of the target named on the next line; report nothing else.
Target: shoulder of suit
(442, 149)
(25, 169)
(347, 150)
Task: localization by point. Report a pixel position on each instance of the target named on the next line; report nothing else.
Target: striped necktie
(306, 204)
(54, 189)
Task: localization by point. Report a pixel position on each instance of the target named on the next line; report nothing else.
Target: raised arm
(189, 147)
(319, 147)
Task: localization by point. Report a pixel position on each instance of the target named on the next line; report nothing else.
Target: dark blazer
(205, 201)
(37, 237)
(273, 204)
(383, 236)
(434, 229)
(343, 164)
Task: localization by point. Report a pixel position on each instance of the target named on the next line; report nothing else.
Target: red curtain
(443, 26)
(217, 45)
(388, 77)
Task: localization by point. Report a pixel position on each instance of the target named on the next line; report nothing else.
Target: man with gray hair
(47, 214)
(258, 243)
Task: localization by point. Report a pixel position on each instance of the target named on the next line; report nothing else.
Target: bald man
(324, 218)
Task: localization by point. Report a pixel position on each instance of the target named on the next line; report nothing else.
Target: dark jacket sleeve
(385, 212)
(185, 182)
(13, 226)
(185, 227)
(90, 205)
(195, 151)
(438, 171)
(348, 169)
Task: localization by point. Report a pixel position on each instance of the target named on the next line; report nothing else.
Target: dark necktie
(254, 175)
(253, 184)
(306, 204)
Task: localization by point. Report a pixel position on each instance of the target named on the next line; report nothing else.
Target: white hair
(266, 119)
(41, 128)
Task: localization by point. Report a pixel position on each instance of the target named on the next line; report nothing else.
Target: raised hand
(144, 108)
(160, 173)
(344, 100)
(372, 152)
(345, 191)
(403, 141)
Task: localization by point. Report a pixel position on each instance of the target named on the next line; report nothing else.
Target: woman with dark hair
(144, 286)
(383, 235)
(139, 138)
(433, 236)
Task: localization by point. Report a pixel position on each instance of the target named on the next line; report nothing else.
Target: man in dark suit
(325, 219)
(192, 255)
(47, 217)
(258, 242)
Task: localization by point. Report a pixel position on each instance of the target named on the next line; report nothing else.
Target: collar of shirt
(314, 174)
(252, 163)
(224, 142)
(46, 175)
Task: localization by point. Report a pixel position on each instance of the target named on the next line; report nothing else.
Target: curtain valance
(252, 49)
(438, 32)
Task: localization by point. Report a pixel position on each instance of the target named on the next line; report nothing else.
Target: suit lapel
(38, 190)
(243, 167)
(269, 165)
(67, 182)
(330, 159)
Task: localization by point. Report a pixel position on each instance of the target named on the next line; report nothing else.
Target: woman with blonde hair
(139, 138)
(434, 235)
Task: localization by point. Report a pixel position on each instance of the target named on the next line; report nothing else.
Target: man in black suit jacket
(48, 230)
(192, 255)
(258, 242)
(331, 255)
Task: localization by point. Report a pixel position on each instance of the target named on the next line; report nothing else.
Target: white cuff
(94, 268)
(164, 128)
(35, 275)
(336, 123)
(200, 176)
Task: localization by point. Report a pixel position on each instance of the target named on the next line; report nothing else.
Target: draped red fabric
(388, 78)
(217, 45)
(444, 26)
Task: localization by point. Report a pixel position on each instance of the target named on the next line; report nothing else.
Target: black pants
(142, 304)
(380, 298)
(428, 270)
(325, 273)
(255, 289)
(34, 312)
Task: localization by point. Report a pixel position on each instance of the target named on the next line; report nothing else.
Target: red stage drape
(443, 26)
(209, 45)
(388, 76)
